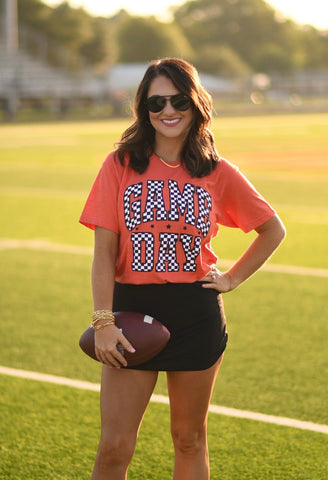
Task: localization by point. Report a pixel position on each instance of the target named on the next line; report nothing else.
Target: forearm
(102, 278)
(269, 237)
(103, 269)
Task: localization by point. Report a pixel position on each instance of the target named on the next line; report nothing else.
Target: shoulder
(224, 171)
(113, 159)
(226, 167)
(229, 172)
(113, 163)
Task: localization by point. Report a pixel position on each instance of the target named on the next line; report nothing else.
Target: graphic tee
(166, 219)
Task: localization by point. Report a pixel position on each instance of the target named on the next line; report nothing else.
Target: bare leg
(124, 397)
(190, 394)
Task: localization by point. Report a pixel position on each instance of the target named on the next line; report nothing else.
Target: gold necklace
(168, 164)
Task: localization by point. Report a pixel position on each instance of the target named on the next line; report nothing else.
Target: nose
(168, 106)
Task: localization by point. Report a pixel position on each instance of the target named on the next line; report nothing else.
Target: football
(146, 334)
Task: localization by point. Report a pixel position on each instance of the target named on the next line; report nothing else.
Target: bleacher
(31, 77)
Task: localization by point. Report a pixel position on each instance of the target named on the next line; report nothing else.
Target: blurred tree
(141, 39)
(70, 27)
(273, 58)
(100, 49)
(242, 24)
(69, 32)
(34, 13)
(314, 48)
(220, 60)
(252, 29)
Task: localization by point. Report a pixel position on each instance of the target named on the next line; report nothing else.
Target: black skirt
(194, 316)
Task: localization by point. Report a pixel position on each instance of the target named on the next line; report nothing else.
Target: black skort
(194, 316)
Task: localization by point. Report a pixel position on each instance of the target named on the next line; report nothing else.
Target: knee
(114, 452)
(189, 443)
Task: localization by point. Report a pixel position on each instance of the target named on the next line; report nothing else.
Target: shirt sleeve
(240, 205)
(101, 206)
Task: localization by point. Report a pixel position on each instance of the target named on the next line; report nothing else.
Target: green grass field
(276, 362)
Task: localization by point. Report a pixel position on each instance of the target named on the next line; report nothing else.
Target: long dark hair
(199, 155)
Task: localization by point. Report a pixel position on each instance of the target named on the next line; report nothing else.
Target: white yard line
(289, 269)
(230, 412)
(46, 246)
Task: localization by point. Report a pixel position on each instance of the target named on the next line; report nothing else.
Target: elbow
(273, 229)
(280, 231)
(284, 232)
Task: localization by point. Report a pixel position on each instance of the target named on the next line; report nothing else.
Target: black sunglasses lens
(156, 103)
(180, 102)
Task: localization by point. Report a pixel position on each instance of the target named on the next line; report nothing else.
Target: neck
(170, 151)
(167, 159)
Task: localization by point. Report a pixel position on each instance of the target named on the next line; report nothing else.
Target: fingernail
(132, 350)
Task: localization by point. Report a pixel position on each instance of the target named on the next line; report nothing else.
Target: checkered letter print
(167, 253)
(183, 201)
(191, 254)
(143, 251)
(204, 208)
(155, 200)
(135, 191)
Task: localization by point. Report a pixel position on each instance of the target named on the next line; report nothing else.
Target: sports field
(277, 358)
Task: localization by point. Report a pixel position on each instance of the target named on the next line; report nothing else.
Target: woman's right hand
(106, 341)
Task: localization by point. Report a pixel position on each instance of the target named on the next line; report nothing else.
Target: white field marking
(43, 377)
(290, 269)
(230, 412)
(44, 245)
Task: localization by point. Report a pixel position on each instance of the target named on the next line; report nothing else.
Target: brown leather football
(146, 334)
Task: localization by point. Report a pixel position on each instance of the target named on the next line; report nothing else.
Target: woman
(155, 206)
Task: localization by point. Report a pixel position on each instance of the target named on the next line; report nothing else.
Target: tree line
(221, 37)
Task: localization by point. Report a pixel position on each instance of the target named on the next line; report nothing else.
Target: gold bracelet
(103, 325)
(102, 315)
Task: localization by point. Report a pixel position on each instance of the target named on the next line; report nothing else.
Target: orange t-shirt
(166, 219)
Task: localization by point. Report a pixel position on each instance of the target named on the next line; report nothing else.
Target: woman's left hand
(217, 280)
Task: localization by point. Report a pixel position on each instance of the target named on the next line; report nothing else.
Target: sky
(312, 12)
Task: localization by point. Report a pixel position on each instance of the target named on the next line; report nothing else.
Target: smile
(171, 123)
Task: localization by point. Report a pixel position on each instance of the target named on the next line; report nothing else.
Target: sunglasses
(156, 103)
